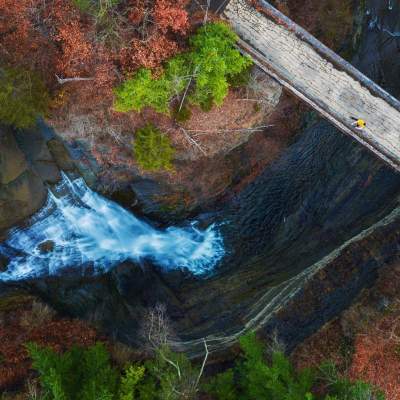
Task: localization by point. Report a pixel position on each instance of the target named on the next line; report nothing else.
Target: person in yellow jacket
(359, 123)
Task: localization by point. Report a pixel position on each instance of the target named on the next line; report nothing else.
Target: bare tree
(157, 329)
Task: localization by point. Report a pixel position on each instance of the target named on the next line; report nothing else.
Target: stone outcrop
(28, 162)
(22, 192)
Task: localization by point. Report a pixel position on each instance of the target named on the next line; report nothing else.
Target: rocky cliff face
(29, 160)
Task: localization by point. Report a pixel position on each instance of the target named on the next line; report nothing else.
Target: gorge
(302, 210)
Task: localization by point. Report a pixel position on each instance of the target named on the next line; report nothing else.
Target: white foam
(88, 229)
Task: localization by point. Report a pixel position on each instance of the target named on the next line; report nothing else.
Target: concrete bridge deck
(314, 73)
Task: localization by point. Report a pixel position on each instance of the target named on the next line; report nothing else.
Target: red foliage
(157, 40)
(170, 14)
(377, 358)
(59, 334)
(54, 38)
(148, 54)
(23, 42)
(76, 51)
(14, 26)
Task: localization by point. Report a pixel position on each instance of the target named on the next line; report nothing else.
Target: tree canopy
(203, 74)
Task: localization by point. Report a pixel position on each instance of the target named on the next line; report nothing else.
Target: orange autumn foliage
(59, 334)
(377, 357)
(54, 38)
(149, 54)
(170, 14)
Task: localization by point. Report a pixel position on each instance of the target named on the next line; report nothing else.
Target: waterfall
(79, 229)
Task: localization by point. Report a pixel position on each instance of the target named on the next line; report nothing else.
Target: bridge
(317, 75)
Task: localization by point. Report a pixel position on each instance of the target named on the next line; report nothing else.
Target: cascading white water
(85, 229)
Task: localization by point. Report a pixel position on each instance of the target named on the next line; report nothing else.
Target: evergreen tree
(84, 374)
(253, 378)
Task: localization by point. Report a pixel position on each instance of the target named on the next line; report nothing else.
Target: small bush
(242, 78)
(152, 149)
(208, 68)
(23, 97)
(106, 19)
(121, 354)
(163, 382)
(87, 374)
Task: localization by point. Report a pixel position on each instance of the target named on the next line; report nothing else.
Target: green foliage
(204, 73)
(183, 114)
(241, 79)
(164, 382)
(23, 97)
(88, 375)
(143, 91)
(222, 386)
(255, 379)
(343, 389)
(215, 60)
(129, 381)
(83, 374)
(152, 149)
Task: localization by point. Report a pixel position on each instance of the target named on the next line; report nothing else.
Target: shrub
(88, 375)
(152, 149)
(121, 354)
(254, 379)
(84, 374)
(242, 78)
(341, 388)
(163, 382)
(23, 97)
(208, 67)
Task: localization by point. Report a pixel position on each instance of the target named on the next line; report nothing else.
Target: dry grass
(38, 315)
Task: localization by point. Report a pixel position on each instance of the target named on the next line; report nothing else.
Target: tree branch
(61, 81)
(203, 364)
